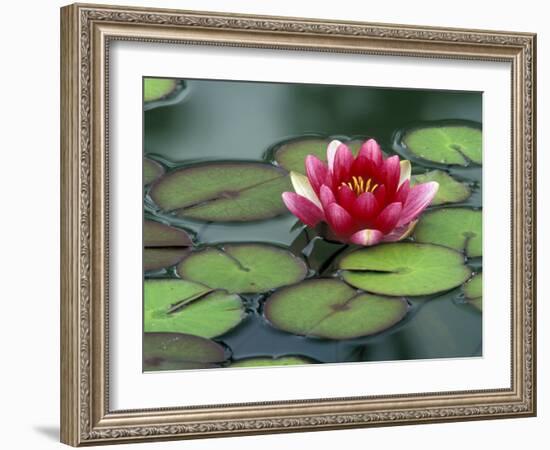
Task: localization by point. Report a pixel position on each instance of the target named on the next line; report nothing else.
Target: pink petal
(388, 218)
(339, 220)
(366, 237)
(400, 233)
(420, 196)
(392, 172)
(327, 196)
(302, 208)
(403, 192)
(365, 206)
(317, 172)
(372, 151)
(331, 153)
(346, 197)
(342, 163)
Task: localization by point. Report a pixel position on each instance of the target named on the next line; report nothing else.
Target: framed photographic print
(275, 224)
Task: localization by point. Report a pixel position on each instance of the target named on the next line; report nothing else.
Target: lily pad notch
(473, 291)
(177, 351)
(180, 306)
(223, 192)
(456, 228)
(445, 144)
(404, 269)
(164, 246)
(243, 268)
(291, 154)
(330, 309)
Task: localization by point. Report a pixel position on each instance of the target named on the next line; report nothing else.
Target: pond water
(229, 120)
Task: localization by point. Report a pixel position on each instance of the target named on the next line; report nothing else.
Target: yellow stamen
(358, 185)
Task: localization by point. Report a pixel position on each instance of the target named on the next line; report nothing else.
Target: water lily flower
(363, 200)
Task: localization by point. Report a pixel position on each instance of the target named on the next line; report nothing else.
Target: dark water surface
(221, 120)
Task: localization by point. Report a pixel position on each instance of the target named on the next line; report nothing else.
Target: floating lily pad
(269, 362)
(223, 192)
(152, 171)
(446, 144)
(473, 291)
(181, 306)
(291, 155)
(450, 190)
(405, 269)
(241, 268)
(458, 228)
(331, 309)
(157, 88)
(160, 258)
(175, 351)
(156, 234)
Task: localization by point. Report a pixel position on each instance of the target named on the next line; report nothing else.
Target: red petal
(366, 237)
(403, 192)
(339, 220)
(365, 207)
(420, 196)
(372, 151)
(327, 196)
(388, 218)
(303, 208)
(342, 163)
(346, 198)
(317, 173)
(392, 172)
(380, 194)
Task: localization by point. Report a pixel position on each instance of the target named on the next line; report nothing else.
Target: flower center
(359, 185)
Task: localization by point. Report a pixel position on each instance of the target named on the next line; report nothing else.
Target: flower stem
(328, 262)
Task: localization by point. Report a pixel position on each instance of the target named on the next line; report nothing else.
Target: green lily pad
(458, 228)
(243, 268)
(291, 155)
(473, 291)
(160, 258)
(176, 351)
(157, 88)
(405, 269)
(329, 308)
(450, 190)
(152, 171)
(223, 192)
(446, 144)
(268, 361)
(181, 306)
(156, 234)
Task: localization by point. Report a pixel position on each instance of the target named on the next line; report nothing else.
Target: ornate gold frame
(86, 31)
